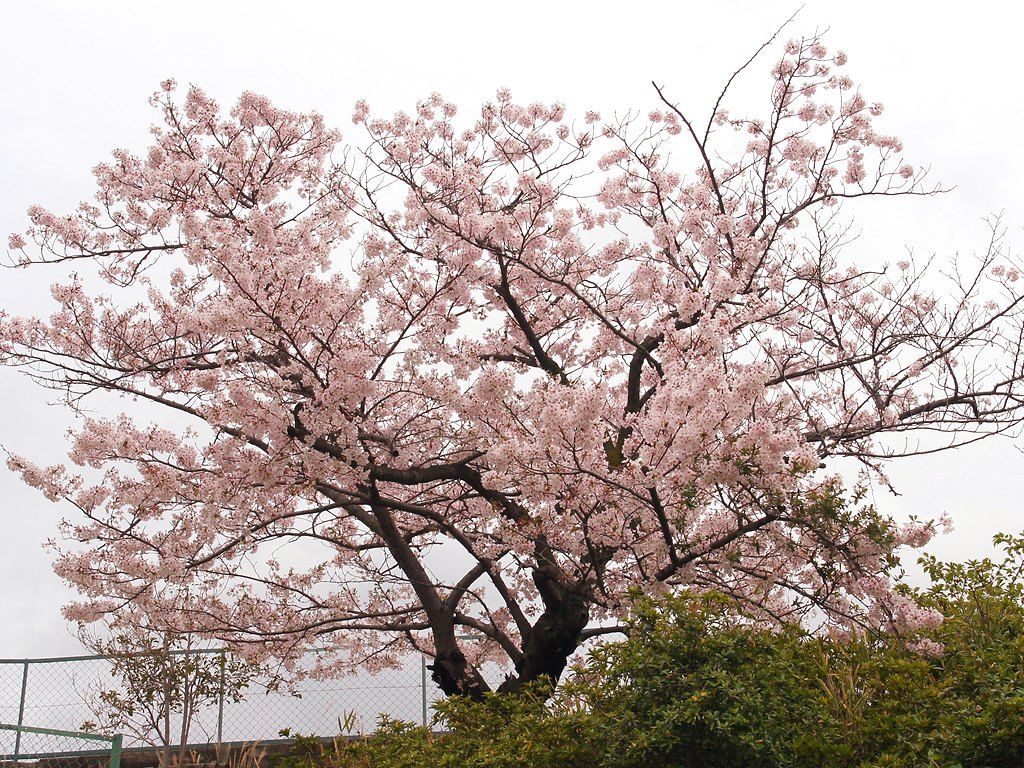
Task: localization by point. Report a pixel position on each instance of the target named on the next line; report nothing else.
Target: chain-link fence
(52, 748)
(78, 692)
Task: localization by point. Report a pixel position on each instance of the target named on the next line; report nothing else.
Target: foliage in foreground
(689, 688)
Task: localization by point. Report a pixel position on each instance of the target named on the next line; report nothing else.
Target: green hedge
(690, 689)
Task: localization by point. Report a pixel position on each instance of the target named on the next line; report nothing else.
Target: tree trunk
(556, 634)
(455, 677)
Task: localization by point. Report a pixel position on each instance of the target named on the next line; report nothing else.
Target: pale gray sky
(74, 79)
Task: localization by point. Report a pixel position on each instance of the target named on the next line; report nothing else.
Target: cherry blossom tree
(462, 386)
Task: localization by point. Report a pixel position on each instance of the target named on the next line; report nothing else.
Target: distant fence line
(49, 743)
(62, 694)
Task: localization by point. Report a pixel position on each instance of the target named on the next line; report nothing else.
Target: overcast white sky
(74, 79)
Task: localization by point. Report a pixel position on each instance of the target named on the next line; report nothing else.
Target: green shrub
(691, 689)
(499, 732)
(981, 672)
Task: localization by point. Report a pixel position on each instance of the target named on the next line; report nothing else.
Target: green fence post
(423, 685)
(220, 700)
(21, 708)
(115, 751)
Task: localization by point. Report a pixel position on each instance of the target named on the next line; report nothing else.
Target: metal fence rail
(64, 692)
(21, 742)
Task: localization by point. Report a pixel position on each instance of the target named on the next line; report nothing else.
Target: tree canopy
(460, 385)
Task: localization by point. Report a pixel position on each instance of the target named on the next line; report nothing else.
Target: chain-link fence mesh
(10, 691)
(56, 693)
(22, 747)
(76, 693)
